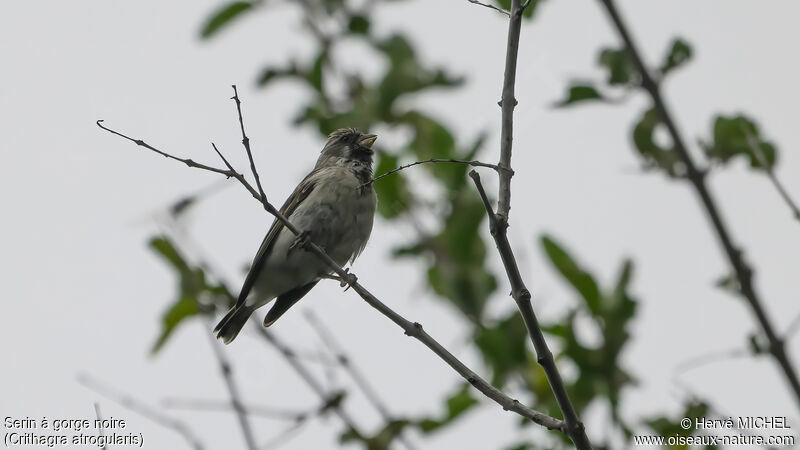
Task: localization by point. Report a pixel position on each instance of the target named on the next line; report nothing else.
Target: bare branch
(500, 10)
(437, 160)
(233, 392)
(762, 160)
(359, 378)
(696, 177)
(188, 162)
(498, 226)
(142, 409)
(246, 144)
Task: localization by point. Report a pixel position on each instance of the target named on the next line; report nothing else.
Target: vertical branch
(507, 104)
(743, 272)
(498, 226)
(233, 391)
(522, 296)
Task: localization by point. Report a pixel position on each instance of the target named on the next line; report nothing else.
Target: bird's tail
(229, 327)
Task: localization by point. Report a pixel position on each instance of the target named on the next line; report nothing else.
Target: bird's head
(348, 144)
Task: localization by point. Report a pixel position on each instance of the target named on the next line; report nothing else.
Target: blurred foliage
(679, 53)
(223, 17)
(601, 370)
(452, 251)
(195, 294)
(739, 135)
(580, 92)
(731, 135)
(654, 154)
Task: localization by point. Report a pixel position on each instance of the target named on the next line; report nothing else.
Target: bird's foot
(300, 241)
(347, 280)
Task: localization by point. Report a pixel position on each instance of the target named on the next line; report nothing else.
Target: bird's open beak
(367, 140)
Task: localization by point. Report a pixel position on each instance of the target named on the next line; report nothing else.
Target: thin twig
(762, 160)
(696, 177)
(500, 10)
(283, 436)
(143, 410)
(712, 357)
(101, 428)
(438, 160)
(498, 226)
(246, 144)
(233, 392)
(188, 162)
(223, 405)
(359, 378)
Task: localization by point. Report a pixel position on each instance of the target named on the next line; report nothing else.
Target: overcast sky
(84, 295)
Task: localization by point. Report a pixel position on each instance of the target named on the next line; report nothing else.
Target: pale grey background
(83, 294)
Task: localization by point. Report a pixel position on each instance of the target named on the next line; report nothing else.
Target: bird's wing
(300, 193)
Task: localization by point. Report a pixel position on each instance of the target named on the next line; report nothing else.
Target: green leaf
(358, 25)
(183, 308)
(728, 283)
(581, 280)
(224, 16)
(192, 286)
(315, 74)
(738, 135)
(679, 54)
(654, 155)
(579, 93)
(620, 67)
(275, 73)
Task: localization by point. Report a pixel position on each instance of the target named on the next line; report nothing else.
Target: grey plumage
(336, 208)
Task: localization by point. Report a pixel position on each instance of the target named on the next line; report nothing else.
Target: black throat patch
(363, 172)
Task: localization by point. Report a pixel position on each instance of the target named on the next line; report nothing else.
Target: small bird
(334, 206)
